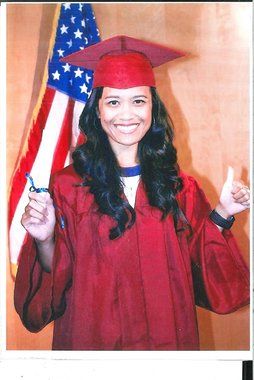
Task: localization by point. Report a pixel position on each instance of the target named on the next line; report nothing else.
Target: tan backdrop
(207, 95)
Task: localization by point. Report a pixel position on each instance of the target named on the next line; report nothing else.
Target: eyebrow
(140, 96)
(118, 97)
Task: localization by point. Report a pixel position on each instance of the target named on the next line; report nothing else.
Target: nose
(126, 111)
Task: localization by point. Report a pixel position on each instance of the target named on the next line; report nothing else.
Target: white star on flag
(83, 23)
(56, 75)
(78, 73)
(67, 6)
(83, 88)
(66, 67)
(69, 43)
(73, 19)
(88, 78)
(78, 33)
(64, 29)
(60, 52)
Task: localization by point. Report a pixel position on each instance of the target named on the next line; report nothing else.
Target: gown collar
(130, 171)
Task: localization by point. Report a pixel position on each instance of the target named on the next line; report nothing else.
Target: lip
(127, 128)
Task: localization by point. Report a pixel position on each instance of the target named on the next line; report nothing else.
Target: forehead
(126, 92)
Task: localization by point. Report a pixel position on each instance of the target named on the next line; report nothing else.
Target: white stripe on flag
(41, 169)
(78, 108)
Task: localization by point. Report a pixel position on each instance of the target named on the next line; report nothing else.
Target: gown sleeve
(220, 275)
(39, 297)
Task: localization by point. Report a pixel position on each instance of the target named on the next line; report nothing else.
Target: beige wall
(207, 95)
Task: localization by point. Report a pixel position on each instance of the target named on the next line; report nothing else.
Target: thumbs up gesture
(234, 198)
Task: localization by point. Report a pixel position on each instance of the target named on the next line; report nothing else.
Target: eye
(139, 101)
(113, 102)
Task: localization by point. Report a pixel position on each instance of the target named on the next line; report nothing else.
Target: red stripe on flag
(26, 163)
(64, 141)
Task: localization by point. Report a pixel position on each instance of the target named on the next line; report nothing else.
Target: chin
(128, 141)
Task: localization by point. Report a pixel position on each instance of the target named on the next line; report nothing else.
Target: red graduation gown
(134, 293)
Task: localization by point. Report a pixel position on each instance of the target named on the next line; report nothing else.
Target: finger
(30, 207)
(42, 198)
(237, 186)
(230, 176)
(240, 193)
(42, 208)
(246, 204)
(37, 206)
(27, 221)
(242, 200)
(31, 212)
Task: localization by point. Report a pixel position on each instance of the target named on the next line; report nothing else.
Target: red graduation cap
(122, 61)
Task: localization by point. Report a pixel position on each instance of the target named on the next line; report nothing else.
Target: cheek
(107, 115)
(105, 123)
(146, 116)
(102, 112)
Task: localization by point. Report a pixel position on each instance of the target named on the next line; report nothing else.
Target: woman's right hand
(39, 217)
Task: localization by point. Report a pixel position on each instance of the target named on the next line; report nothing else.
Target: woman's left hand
(234, 198)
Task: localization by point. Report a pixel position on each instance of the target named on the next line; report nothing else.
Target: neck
(127, 156)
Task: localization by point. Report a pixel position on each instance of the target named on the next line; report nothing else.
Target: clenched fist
(39, 217)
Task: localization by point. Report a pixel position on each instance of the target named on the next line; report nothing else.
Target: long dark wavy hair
(96, 163)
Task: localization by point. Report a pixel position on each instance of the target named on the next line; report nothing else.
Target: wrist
(222, 211)
(48, 241)
(220, 220)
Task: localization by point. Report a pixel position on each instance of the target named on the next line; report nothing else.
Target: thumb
(230, 177)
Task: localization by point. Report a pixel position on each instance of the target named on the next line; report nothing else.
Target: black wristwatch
(220, 221)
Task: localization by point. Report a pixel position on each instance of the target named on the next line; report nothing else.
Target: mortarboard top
(122, 61)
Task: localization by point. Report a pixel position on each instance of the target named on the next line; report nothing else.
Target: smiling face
(126, 116)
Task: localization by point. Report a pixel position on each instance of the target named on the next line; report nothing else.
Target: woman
(135, 244)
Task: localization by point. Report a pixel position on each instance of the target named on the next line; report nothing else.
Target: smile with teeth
(127, 128)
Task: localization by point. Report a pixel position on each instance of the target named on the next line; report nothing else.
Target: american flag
(54, 130)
